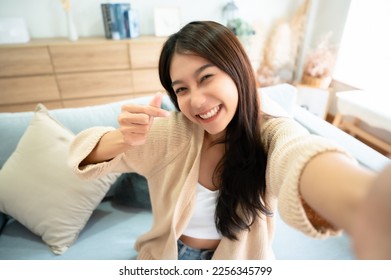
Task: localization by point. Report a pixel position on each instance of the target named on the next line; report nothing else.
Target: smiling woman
(204, 92)
(218, 167)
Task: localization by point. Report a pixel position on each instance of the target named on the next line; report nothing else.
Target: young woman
(218, 167)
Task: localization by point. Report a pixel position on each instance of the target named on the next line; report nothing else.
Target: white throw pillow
(278, 100)
(38, 188)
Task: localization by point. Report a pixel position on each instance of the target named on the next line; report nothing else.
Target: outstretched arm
(346, 195)
(371, 232)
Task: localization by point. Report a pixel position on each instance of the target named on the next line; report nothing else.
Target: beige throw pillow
(38, 189)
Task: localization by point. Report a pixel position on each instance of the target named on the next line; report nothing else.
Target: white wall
(46, 18)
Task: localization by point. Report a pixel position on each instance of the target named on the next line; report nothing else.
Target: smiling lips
(211, 113)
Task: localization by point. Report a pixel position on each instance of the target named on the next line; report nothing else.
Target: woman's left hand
(371, 234)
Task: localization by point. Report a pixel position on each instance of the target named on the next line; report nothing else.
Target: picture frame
(167, 21)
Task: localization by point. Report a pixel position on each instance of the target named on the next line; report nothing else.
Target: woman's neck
(211, 139)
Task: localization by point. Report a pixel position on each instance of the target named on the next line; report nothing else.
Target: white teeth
(210, 114)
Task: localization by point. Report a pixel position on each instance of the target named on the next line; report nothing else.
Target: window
(364, 56)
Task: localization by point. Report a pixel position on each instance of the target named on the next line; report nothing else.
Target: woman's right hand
(135, 120)
(134, 124)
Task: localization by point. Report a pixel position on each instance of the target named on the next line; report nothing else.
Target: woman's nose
(197, 98)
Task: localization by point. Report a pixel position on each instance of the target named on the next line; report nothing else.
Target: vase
(318, 82)
(72, 32)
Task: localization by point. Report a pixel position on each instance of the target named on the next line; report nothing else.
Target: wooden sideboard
(90, 71)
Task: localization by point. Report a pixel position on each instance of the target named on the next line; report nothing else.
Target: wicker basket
(316, 82)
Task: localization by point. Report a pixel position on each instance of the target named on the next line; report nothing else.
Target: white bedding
(371, 109)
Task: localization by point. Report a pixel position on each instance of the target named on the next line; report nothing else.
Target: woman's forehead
(184, 63)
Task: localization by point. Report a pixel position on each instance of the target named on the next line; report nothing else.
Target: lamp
(230, 12)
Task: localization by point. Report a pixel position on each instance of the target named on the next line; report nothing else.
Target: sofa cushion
(38, 189)
(131, 189)
(278, 100)
(110, 234)
(364, 154)
(3, 219)
(13, 125)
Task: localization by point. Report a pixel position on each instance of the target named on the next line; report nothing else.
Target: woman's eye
(205, 77)
(179, 90)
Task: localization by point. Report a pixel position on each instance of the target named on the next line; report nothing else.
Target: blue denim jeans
(187, 253)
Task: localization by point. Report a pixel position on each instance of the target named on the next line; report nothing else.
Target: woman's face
(206, 95)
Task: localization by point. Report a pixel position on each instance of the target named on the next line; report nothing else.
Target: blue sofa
(124, 212)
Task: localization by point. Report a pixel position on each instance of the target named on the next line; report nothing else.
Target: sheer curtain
(364, 56)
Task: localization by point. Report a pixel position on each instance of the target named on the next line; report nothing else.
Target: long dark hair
(241, 171)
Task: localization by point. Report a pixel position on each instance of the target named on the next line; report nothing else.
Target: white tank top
(202, 223)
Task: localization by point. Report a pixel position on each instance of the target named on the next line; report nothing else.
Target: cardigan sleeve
(82, 146)
(146, 159)
(289, 148)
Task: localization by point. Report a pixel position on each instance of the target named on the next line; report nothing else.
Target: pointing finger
(156, 100)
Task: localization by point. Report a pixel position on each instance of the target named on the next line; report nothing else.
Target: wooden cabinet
(145, 54)
(59, 73)
(28, 89)
(16, 61)
(90, 57)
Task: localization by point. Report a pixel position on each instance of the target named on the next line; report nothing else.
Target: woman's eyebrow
(196, 73)
(202, 68)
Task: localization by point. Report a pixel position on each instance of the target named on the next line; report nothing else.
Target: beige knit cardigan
(170, 161)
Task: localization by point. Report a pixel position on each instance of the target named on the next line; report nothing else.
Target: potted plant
(319, 64)
(242, 29)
